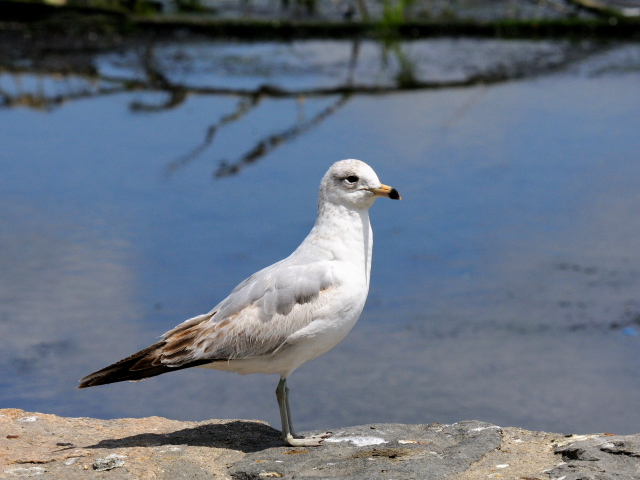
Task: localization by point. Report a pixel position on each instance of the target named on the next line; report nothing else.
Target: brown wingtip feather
(138, 366)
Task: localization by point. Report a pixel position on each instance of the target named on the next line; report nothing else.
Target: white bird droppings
(26, 472)
(479, 429)
(576, 438)
(358, 441)
(28, 419)
(503, 465)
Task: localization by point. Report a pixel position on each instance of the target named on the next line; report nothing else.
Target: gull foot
(312, 441)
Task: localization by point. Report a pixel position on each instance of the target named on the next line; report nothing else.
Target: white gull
(286, 314)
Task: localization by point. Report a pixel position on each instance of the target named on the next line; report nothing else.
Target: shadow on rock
(244, 436)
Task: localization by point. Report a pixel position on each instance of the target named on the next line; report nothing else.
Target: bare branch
(177, 94)
(244, 106)
(268, 144)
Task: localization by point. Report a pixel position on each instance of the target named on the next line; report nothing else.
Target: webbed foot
(311, 441)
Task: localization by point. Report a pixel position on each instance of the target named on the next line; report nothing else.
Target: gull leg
(288, 435)
(286, 403)
(282, 404)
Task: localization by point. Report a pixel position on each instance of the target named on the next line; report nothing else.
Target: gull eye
(352, 179)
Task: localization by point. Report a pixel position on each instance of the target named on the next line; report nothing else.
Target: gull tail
(141, 365)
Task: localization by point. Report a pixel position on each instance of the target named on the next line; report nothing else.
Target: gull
(286, 314)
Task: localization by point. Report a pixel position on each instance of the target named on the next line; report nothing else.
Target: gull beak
(386, 191)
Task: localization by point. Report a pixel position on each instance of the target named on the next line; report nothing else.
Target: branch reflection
(45, 80)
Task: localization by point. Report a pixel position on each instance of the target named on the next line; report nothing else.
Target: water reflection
(505, 289)
(298, 71)
(61, 296)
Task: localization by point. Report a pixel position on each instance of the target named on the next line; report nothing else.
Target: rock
(109, 463)
(50, 447)
(377, 451)
(598, 457)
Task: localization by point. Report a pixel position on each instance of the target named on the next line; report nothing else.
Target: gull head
(353, 184)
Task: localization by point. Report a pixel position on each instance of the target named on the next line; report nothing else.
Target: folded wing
(254, 320)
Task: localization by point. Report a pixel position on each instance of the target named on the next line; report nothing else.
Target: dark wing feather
(147, 363)
(124, 369)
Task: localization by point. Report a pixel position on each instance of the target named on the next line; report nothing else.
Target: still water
(138, 192)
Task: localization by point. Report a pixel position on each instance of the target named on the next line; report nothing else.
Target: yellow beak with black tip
(386, 191)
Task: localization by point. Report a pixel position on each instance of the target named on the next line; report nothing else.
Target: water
(505, 285)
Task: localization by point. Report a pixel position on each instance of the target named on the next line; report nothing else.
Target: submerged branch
(156, 79)
(177, 93)
(263, 147)
(46, 103)
(268, 144)
(244, 106)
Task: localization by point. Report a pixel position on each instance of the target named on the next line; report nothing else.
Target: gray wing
(254, 320)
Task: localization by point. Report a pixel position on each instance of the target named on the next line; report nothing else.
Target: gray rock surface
(378, 451)
(37, 445)
(599, 457)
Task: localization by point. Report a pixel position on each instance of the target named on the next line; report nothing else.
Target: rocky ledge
(52, 447)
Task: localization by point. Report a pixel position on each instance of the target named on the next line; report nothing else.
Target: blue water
(505, 286)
